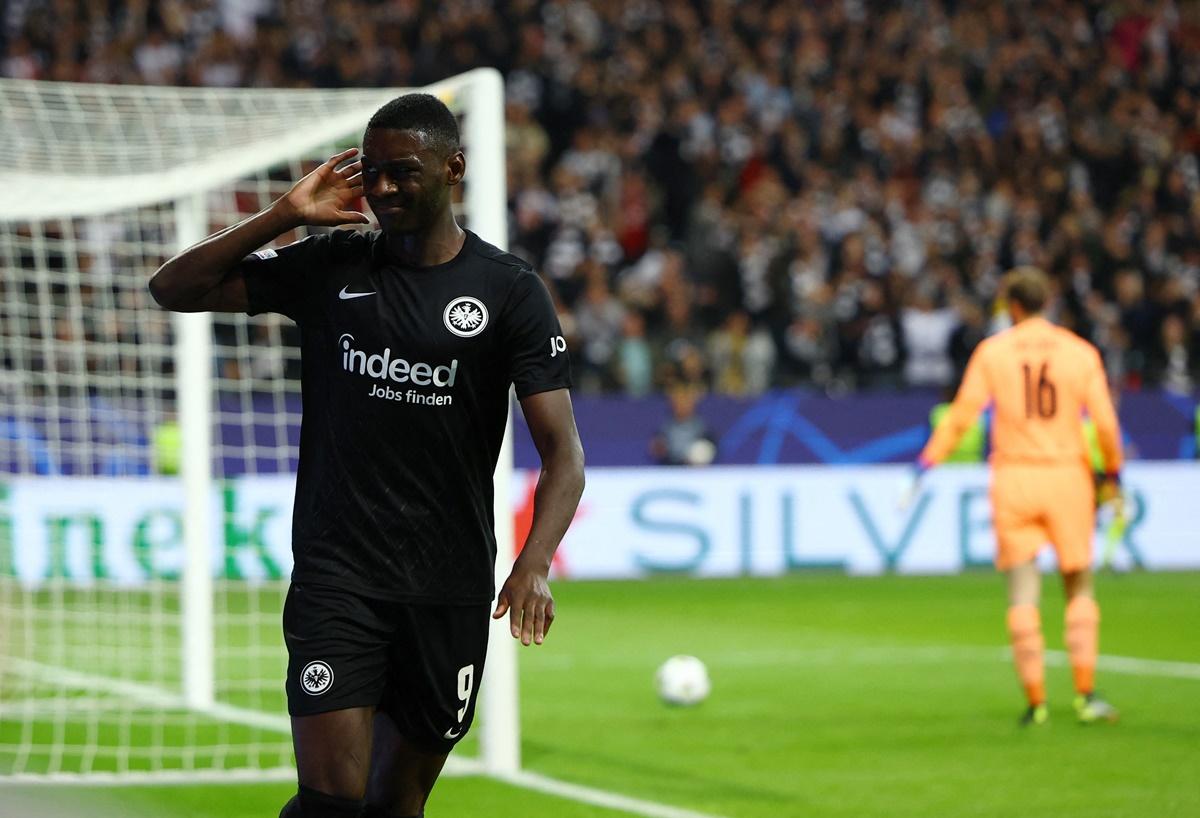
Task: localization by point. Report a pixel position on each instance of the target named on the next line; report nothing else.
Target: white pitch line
(150, 778)
(1131, 665)
(891, 655)
(454, 768)
(147, 696)
(597, 798)
(155, 697)
(150, 697)
(144, 694)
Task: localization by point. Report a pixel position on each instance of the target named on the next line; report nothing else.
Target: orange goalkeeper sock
(1025, 633)
(1083, 641)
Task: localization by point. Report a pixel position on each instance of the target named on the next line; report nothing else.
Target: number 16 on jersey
(1041, 398)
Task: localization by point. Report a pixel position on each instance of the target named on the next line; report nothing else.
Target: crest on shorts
(316, 678)
(465, 316)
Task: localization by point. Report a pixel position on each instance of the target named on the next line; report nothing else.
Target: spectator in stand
(684, 440)
(816, 167)
(1175, 366)
(635, 363)
(928, 332)
(741, 356)
(600, 318)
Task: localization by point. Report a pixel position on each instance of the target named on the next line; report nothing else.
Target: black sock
(312, 803)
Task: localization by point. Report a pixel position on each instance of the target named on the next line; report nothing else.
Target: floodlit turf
(459, 798)
(832, 696)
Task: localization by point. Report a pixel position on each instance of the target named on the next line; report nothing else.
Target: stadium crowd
(733, 196)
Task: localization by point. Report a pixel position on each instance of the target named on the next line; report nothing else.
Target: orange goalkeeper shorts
(1043, 504)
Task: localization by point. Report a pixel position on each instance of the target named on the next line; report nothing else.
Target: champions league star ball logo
(316, 678)
(465, 316)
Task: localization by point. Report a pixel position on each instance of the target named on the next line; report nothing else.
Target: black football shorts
(420, 664)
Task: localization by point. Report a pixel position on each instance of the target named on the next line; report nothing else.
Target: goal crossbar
(71, 176)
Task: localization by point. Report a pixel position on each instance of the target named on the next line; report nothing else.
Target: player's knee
(337, 775)
(310, 803)
(1077, 583)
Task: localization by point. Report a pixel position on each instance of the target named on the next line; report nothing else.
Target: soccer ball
(682, 681)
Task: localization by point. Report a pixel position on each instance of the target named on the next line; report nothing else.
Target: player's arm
(973, 395)
(526, 594)
(211, 275)
(1099, 406)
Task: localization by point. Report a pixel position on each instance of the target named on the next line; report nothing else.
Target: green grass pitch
(832, 696)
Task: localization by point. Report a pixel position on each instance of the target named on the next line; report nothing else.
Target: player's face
(407, 182)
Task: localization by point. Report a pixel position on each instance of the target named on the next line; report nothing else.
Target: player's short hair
(1027, 286)
(420, 112)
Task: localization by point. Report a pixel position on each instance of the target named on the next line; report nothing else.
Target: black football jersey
(405, 381)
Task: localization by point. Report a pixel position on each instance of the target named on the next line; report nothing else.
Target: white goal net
(146, 460)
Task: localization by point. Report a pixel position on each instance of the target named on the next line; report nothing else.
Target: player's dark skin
(357, 752)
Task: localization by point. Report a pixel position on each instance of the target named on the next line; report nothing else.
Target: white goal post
(147, 460)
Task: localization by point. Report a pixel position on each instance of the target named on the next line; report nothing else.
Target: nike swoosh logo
(452, 733)
(346, 296)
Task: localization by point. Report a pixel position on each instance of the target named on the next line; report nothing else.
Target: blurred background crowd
(734, 196)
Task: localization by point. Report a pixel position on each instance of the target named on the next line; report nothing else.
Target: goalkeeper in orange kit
(1040, 378)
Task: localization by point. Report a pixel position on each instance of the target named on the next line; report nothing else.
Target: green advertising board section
(131, 533)
(718, 521)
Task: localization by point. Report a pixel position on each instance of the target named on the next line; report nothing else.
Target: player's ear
(456, 167)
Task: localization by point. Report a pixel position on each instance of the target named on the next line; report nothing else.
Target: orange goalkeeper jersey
(1040, 378)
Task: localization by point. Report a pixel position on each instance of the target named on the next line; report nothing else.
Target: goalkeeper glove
(1108, 488)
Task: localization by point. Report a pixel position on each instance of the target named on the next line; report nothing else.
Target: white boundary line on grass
(147, 694)
(153, 779)
(455, 768)
(1133, 665)
(597, 798)
(931, 654)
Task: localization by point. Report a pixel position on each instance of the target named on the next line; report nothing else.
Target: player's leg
(1082, 635)
(1019, 537)
(333, 758)
(429, 704)
(1083, 646)
(332, 761)
(337, 663)
(1073, 522)
(1025, 635)
(1081, 628)
(402, 776)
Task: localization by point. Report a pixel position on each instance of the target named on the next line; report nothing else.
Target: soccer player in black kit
(411, 337)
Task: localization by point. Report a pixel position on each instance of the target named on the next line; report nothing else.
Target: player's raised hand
(526, 598)
(325, 196)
